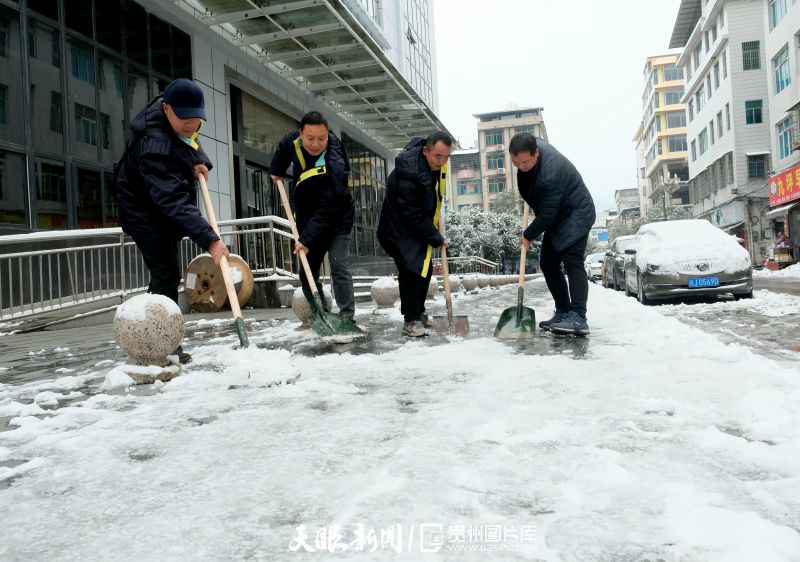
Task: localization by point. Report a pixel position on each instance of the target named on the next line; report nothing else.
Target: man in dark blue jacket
(156, 191)
(409, 225)
(323, 203)
(564, 209)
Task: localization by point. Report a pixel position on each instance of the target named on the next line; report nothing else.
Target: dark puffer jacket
(406, 229)
(156, 191)
(555, 191)
(323, 204)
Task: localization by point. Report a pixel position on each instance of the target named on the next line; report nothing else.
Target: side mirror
(630, 252)
(610, 254)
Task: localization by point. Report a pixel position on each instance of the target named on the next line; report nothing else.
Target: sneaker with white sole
(414, 329)
(557, 317)
(571, 323)
(427, 321)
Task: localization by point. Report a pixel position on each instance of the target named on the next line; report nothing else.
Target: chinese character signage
(784, 187)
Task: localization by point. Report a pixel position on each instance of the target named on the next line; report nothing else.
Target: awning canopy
(322, 48)
(781, 210)
(733, 226)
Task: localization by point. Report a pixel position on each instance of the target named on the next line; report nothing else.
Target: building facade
(495, 130)
(782, 49)
(74, 72)
(728, 117)
(661, 137)
(465, 187)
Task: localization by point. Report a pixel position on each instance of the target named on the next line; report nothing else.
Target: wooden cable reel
(205, 288)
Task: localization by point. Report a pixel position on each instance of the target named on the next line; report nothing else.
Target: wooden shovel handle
(223, 261)
(303, 259)
(522, 252)
(448, 299)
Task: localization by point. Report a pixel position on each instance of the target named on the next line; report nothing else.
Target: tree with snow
(506, 202)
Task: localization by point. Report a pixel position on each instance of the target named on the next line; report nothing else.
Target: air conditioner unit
(501, 147)
(501, 171)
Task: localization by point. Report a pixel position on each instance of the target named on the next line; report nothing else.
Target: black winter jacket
(555, 191)
(156, 191)
(323, 204)
(407, 230)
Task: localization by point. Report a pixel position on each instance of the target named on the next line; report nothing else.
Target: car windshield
(623, 245)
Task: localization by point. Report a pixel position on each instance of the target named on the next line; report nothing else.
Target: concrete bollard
(302, 309)
(385, 292)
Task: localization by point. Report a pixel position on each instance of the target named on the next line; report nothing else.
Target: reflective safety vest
(439, 189)
(319, 167)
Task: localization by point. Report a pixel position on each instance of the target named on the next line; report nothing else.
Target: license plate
(700, 282)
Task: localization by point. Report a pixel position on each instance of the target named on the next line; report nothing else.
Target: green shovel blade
(329, 324)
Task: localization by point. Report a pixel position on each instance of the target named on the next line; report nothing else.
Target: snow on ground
(648, 440)
(791, 271)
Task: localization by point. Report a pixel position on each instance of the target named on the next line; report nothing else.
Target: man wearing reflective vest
(409, 225)
(322, 203)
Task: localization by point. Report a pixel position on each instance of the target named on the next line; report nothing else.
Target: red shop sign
(784, 187)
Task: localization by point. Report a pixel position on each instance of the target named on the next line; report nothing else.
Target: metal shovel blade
(459, 326)
(516, 322)
(333, 327)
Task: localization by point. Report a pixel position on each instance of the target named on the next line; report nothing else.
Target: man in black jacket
(564, 209)
(156, 191)
(409, 225)
(323, 203)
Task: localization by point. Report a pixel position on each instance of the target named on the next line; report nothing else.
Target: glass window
(719, 124)
(780, 65)
(47, 123)
(90, 204)
(13, 200)
(12, 128)
(135, 32)
(711, 131)
(495, 161)
(3, 104)
(714, 32)
(752, 111)
(85, 124)
(696, 55)
(112, 116)
(677, 144)
(751, 59)
(672, 97)
(676, 120)
(51, 195)
(691, 110)
(777, 9)
(48, 8)
(82, 67)
(708, 86)
(700, 98)
(702, 140)
(526, 129)
(727, 117)
(673, 73)
(785, 138)
(111, 213)
(694, 151)
(716, 75)
(79, 16)
(109, 24)
(137, 92)
(497, 186)
(468, 187)
(756, 167)
(493, 137)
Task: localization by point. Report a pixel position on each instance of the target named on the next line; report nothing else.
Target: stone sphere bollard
(148, 328)
(433, 288)
(483, 281)
(385, 292)
(285, 295)
(470, 282)
(454, 283)
(302, 309)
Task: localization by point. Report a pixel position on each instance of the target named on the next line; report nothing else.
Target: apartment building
(782, 50)
(465, 186)
(661, 145)
(728, 122)
(495, 130)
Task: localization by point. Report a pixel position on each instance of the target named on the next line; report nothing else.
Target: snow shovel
(329, 325)
(223, 265)
(518, 322)
(457, 325)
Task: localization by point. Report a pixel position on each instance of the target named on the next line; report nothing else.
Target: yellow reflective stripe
(311, 173)
(439, 188)
(297, 144)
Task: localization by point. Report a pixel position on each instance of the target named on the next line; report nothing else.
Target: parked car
(686, 258)
(592, 265)
(614, 264)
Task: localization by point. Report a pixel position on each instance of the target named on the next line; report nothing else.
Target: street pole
(664, 201)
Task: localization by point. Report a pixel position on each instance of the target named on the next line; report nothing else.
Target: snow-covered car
(592, 265)
(684, 258)
(614, 268)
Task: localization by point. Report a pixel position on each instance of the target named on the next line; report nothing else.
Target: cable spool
(205, 288)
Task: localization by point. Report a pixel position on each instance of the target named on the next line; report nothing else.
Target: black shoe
(556, 318)
(183, 357)
(571, 323)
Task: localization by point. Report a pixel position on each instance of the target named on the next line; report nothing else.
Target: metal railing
(48, 271)
(53, 270)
